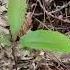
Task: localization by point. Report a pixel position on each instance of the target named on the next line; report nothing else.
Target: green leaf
(46, 40)
(5, 39)
(16, 15)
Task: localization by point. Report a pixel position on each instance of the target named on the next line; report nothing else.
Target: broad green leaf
(46, 40)
(16, 15)
(5, 39)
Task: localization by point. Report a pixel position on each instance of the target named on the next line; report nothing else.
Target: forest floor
(45, 14)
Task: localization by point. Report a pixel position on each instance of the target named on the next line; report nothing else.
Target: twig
(52, 56)
(64, 20)
(13, 53)
(34, 9)
(60, 8)
(37, 14)
(41, 23)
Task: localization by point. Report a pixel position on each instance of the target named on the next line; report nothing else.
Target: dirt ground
(43, 14)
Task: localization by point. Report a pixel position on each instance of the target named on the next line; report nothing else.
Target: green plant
(40, 39)
(46, 40)
(5, 39)
(16, 15)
